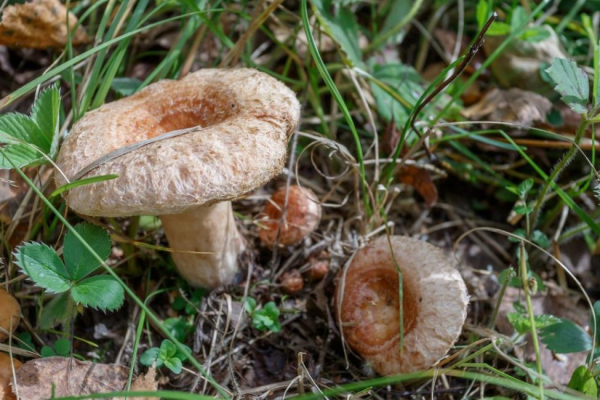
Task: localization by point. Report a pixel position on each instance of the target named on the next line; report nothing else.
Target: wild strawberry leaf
(43, 266)
(102, 292)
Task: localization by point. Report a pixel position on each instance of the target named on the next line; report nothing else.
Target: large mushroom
(10, 314)
(183, 150)
(434, 304)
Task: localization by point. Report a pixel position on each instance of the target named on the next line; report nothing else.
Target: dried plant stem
(558, 169)
(534, 336)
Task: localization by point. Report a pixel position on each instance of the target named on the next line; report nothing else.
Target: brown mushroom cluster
(434, 305)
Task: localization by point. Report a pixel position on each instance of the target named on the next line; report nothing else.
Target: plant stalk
(534, 335)
(558, 169)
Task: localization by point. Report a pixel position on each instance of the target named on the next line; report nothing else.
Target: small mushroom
(303, 214)
(183, 150)
(434, 304)
(6, 376)
(292, 282)
(10, 314)
(318, 267)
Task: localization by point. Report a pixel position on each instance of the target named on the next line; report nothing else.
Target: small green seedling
(62, 348)
(178, 327)
(166, 355)
(70, 279)
(191, 304)
(266, 318)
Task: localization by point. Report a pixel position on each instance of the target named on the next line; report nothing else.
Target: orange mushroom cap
(302, 217)
(368, 308)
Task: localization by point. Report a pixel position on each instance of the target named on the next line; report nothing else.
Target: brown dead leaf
(71, 378)
(559, 369)
(412, 175)
(420, 179)
(39, 24)
(513, 105)
(520, 63)
(145, 383)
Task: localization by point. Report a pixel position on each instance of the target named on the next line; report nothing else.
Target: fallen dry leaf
(39, 24)
(520, 63)
(145, 383)
(71, 378)
(513, 105)
(420, 179)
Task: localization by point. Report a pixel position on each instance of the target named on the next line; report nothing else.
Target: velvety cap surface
(434, 304)
(241, 119)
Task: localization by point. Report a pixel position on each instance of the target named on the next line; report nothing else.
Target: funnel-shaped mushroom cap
(434, 306)
(240, 121)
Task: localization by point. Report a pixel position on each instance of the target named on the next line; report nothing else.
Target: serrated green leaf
(45, 113)
(62, 347)
(404, 80)
(102, 292)
(150, 356)
(43, 266)
(56, 311)
(583, 381)
(566, 337)
(21, 155)
(174, 364)
(506, 275)
(342, 27)
(540, 238)
(21, 128)
(522, 324)
(524, 187)
(167, 349)
(571, 82)
(79, 260)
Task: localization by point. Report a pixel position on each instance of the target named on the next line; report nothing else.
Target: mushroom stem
(212, 231)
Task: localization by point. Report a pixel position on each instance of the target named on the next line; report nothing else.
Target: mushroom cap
(302, 217)
(240, 121)
(434, 306)
(10, 314)
(6, 375)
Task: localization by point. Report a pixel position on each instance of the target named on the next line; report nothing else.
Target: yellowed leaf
(39, 24)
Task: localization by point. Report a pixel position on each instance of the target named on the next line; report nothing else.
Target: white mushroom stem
(210, 231)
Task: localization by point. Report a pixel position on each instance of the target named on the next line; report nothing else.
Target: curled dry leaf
(70, 377)
(520, 63)
(39, 24)
(420, 179)
(513, 105)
